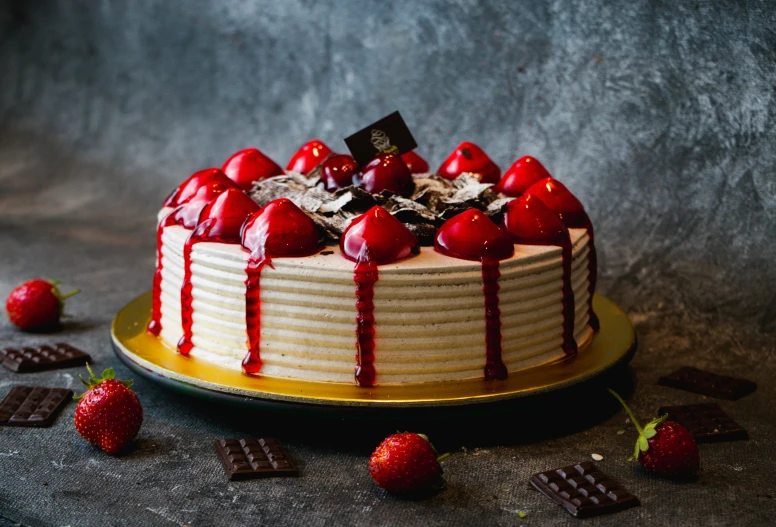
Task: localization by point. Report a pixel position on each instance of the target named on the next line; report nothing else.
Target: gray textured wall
(659, 115)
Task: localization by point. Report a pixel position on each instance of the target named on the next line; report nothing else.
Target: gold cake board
(613, 345)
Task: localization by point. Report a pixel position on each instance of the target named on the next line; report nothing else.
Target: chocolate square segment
(706, 422)
(33, 405)
(583, 490)
(253, 458)
(45, 357)
(707, 383)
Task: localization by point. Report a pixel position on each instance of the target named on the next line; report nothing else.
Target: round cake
(374, 275)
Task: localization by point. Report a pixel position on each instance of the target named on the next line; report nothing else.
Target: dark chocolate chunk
(33, 405)
(583, 491)
(706, 422)
(45, 357)
(253, 458)
(707, 383)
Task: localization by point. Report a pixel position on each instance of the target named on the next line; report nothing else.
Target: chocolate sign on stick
(389, 135)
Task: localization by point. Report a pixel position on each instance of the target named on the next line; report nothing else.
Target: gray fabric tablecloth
(659, 116)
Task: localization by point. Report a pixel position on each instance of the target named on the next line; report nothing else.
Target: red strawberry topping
(109, 413)
(665, 448)
(387, 172)
(405, 464)
(308, 157)
(471, 235)
(188, 188)
(250, 165)
(339, 171)
(36, 305)
(468, 157)
(222, 218)
(376, 236)
(520, 176)
(415, 163)
(278, 229)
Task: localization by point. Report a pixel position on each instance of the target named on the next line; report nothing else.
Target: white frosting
(429, 311)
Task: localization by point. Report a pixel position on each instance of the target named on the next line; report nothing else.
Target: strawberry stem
(443, 457)
(68, 295)
(632, 417)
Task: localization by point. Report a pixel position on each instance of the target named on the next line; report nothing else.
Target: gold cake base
(613, 345)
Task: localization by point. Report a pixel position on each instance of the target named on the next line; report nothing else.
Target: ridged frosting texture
(429, 311)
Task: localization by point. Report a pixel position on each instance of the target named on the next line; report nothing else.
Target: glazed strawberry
(387, 172)
(376, 236)
(415, 163)
(405, 464)
(308, 157)
(197, 180)
(248, 166)
(108, 414)
(339, 171)
(471, 235)
(520, 176)
(36, 305)
(468, 157)
(665, 448)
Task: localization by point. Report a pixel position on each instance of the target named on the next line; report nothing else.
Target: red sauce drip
(155, 326)
(251, 364)
(309, 156)
(415, 163)
(468, 157)
(520, 176)
(558, 198)
(529, 221)
(471, 235)
(279, 229)
(365, 276)
(220, 221)
(374, 238)
(186, 215)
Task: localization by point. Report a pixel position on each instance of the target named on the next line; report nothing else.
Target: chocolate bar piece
(707, 383)
(706, 422)
(253, 458)
(33, 405)
(583, 491)
(45, 357)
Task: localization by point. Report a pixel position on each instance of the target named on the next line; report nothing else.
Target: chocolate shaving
(433, 201)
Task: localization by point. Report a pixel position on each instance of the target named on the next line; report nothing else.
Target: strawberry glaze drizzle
(372, 239)
(529, 221)
(471, 235)
(279, 229)
(560, 200)
(186, 213)
(220, 221)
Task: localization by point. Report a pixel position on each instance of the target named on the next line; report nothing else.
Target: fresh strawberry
(664, 447)
(36, 305)
(406, 464)
(108, 414)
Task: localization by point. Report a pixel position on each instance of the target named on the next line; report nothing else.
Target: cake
(374, 275)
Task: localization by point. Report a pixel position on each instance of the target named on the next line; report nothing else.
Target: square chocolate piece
(45, 357)
(707, 383)
(253, 458)
(706, 422)
(583, 491)
(33, 405)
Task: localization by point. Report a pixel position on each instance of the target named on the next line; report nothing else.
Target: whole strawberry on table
(406, 464)
(664, 447)
(37, 305)
(109, 413)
